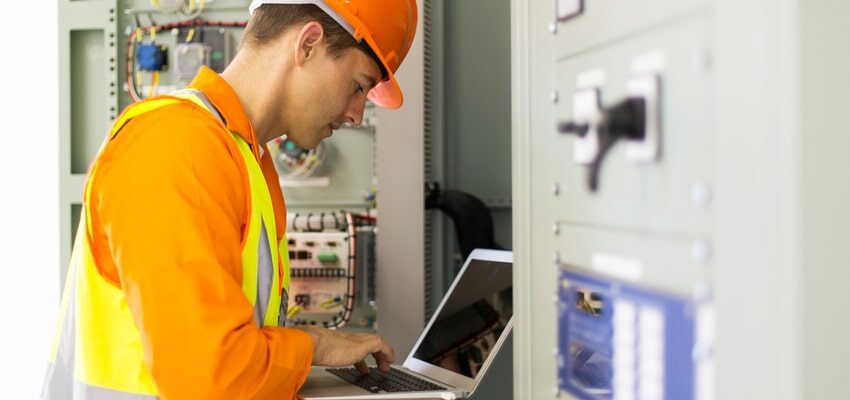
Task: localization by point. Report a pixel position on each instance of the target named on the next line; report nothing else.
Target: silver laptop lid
(470, 324)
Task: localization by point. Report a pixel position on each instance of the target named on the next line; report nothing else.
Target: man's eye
(358, 89)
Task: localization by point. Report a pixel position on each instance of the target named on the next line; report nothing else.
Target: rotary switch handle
(624, 120)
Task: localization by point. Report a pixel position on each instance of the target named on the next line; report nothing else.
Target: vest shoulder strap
(198, 97)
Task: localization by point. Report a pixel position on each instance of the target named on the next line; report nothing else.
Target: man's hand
(336, 349)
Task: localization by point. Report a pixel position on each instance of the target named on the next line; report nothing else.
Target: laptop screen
(471, 320)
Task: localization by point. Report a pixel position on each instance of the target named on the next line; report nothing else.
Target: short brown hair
(270, 20)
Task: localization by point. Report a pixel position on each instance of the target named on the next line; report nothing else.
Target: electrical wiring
(331, 303)
(136, 36)
(190, 10)
(353, 221)
(154, 83)
(293, 311)
(298, 166)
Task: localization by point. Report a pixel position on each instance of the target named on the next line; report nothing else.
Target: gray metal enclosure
(743, 214)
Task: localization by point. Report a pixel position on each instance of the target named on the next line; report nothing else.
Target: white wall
(29, 194)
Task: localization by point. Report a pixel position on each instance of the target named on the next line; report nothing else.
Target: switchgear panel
(675, 163)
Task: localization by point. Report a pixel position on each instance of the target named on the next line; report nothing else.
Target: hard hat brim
(387, 93)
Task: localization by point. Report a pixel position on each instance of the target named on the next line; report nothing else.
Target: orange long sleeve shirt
(169, 207)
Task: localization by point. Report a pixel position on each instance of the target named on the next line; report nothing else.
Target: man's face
(327, 92)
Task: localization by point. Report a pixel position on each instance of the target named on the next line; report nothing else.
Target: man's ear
(307, 42)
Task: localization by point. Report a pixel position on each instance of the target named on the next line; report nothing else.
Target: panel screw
(556, 189)
(556, 258)
(553, 28)
(701, 251)
(556, 228)
(701, 194)
(554, 96)
(701, 60)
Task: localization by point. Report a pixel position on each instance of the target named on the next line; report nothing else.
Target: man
(178, 283)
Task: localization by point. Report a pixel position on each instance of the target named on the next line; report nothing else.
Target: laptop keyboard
(377, 381)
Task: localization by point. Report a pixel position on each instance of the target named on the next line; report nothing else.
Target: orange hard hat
(387, 26)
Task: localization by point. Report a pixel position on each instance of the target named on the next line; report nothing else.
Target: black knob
(626, 119)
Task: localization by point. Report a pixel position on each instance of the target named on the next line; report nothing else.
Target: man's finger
(385, 350)
(362, 368)
(382, 361)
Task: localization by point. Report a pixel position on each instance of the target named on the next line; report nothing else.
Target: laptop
(453, 352)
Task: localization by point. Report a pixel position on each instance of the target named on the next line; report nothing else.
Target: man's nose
(354, 113)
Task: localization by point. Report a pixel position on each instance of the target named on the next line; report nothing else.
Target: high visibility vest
(97, 350)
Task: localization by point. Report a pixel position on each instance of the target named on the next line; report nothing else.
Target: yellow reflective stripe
(260, 201)
(252, 238)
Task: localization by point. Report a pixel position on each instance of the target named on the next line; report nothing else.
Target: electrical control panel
(332, 270)
(318, 263)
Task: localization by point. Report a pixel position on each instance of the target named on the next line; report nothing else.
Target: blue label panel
(619, 341)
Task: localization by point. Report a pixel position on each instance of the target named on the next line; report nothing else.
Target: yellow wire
(192, 5)
(139, 34)
(293, 311)
(154, 83)
(155, 3)
(203, 4)
(153, 33)
(190, 35)
(330, 303)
